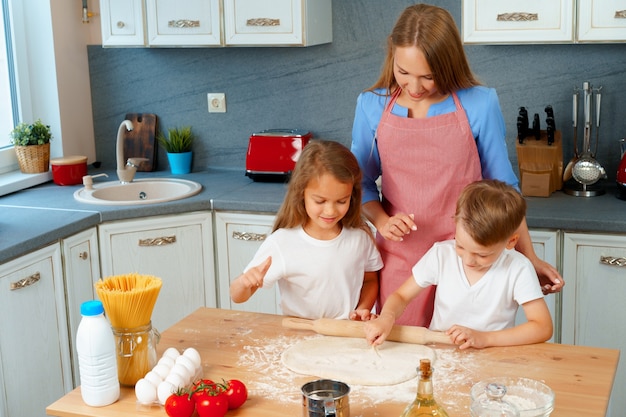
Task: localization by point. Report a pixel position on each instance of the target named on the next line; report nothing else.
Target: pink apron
(425, 165)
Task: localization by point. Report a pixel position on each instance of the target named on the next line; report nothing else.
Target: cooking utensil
(567, 173)
(349, 328)
(325, 398)
(140, 142)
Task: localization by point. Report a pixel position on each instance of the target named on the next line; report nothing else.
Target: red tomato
(179, 404)
(204, 385)
(208, 405)
(236, 392)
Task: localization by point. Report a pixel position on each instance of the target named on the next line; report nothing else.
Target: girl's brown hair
(432, 30)
(322, 157)
(490, 211)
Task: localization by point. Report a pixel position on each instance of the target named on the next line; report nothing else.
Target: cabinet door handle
(613, 261)
(249, 236)
(183, 23)
(263, 21)
(158, 241)
(517, 17)
(25, 282)
(83, 255)
(620, 14)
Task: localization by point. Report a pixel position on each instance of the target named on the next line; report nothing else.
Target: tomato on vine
(180, 404)
(211, 404)
(236, 392)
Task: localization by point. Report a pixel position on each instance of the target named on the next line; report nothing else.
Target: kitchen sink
(141, 191)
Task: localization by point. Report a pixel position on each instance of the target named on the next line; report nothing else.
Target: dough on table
(354, 361)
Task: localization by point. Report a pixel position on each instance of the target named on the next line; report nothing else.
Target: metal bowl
(530, 397)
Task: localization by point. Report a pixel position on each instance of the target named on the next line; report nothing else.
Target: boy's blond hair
(490, 211)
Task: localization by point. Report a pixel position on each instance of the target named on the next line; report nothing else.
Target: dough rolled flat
(354, 361)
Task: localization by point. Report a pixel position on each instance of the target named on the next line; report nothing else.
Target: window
(7, 96)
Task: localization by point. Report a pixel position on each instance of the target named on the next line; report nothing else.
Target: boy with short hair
(481, 279)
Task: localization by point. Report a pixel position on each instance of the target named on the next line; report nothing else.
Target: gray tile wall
(315, 88)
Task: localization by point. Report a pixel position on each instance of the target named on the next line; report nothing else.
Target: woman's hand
(549, 278)
(397, 226)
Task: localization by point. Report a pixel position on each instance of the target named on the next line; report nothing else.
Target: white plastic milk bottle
(97, 361)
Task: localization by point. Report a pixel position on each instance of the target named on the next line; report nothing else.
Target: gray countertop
(41, 215)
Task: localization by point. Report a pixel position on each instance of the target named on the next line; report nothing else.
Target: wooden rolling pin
(349, 328)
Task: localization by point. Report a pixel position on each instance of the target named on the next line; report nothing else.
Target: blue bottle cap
(91, 308)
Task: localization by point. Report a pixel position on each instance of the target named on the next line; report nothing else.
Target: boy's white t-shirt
(318, 278)
(491, 303)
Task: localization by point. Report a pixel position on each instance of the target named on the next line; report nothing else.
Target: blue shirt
(483, 113)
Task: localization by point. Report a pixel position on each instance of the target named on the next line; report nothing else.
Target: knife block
(540, 165)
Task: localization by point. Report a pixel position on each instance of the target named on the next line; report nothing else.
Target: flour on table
(354, 361)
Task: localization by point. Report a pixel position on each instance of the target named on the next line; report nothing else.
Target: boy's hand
(253, 278)
(377, 330)
(465, 337)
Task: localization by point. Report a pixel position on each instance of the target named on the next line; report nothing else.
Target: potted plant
(177, 144)
(32, 146)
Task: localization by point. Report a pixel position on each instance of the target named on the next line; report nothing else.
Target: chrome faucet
(125, 171)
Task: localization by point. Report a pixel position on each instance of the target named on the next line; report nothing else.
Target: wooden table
(247, 346)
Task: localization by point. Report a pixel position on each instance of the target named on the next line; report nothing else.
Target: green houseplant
(178, 144)
(32, 146)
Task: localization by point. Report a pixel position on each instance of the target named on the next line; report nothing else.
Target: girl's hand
(465, 337)
(397, 226)
(362, 315)
(253, 278)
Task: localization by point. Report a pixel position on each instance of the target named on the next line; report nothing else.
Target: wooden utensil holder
(540, 165)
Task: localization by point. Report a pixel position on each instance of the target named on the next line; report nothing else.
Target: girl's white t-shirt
(318, 278)
(491, 303)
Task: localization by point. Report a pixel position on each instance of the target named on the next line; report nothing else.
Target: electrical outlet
(217, 102)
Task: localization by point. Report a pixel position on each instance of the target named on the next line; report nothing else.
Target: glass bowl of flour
(530, 397)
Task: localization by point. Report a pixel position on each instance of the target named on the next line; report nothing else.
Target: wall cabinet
(81, 267)
(178, 249)
(238, 236)
(593, 299)
(35, 366)
(537, 21)
(209, 23)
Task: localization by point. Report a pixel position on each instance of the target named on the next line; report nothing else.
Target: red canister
(69, 170)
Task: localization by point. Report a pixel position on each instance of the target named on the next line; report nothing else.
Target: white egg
(187, 363)
(161, 370)
(182, 371)
(167, 361)
(194, 355)
(176, 380)
(154, 378)
(164, 390)
(171, 352)
(145, 392)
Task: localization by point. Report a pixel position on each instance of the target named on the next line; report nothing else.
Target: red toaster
(272, 153)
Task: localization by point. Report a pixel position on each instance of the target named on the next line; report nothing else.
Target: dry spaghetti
(128, 301)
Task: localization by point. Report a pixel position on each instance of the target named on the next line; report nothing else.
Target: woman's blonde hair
(432, 30)
(321, 157)
(490, 211)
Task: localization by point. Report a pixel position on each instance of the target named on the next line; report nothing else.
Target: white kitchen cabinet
(176, 248)
(122, 22)
(601, 20)
(210, 23)
(538, 21)
(238, 236)
(277, 22)
(35, 366)
(81, 266)
(546, 245)
(183, 23)
(593, 299)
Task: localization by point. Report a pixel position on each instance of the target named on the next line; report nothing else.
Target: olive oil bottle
(424, 403)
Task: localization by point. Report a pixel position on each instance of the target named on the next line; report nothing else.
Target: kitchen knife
(349, 328)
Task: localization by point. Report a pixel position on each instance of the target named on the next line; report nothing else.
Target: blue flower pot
(180, 163)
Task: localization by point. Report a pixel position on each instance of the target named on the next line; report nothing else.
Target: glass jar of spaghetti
(136, 352)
